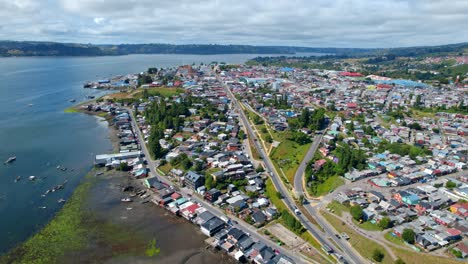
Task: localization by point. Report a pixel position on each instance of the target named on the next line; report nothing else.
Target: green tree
(450, 184)
(259, 169)
(385, 223)
(209, 183)
(408, 235)
(378, 255)
(356, 212)
(268, 138)
(399, 261)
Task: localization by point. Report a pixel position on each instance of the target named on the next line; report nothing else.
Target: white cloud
(341, 23)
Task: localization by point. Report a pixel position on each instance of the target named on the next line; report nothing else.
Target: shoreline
(96, 206)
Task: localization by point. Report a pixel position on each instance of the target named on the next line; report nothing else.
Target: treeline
(163, 116)
(313, 121)
(403, 149)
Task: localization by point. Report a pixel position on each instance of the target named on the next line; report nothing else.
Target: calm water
(33, 94)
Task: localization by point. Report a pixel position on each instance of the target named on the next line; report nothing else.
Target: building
(193, 180)
(212, 195)
(212, 226)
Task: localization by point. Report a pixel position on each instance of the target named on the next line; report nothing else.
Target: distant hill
(34, 48)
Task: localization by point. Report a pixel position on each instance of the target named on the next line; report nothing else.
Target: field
(140, 92)
(287, 156)
(328, 185)
(337, 208)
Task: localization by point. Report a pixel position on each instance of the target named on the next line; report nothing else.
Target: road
(298, 182)
(349, 254)
(253, 232)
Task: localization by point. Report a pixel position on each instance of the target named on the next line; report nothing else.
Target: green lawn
(338, 208)
(271, 193)
(328, 185)
(71, 110)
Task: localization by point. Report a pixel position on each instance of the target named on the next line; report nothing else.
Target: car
(338, 236)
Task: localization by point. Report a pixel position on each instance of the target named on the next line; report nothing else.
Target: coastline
(105, 230)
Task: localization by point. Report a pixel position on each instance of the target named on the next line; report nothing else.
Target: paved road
(253, 232)
(298, 186)
(349, 254)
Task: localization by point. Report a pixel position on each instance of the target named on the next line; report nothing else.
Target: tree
(385, 223)
(209, 184)
(259, 169)
(268, 138)
(356, 212)
(123, 167)
(378, 255)
(399, 261)
(408, 235)
(450, 184)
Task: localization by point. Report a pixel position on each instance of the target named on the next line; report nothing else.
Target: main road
(349, 254)
(253, 232)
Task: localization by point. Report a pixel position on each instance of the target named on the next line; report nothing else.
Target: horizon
(229, 44)
(323, 24)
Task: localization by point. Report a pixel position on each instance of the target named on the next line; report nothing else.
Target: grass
(396, 240)
(337, 208)
(271, 193)
(367, 226)
(159, 91)
(64, 233)
(71, 110)
(76, 232)
(287, 156)
(328, 185)
(255, 154)
(165, 168)
(364, 246)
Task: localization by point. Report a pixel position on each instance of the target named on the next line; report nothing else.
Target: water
(33, 126)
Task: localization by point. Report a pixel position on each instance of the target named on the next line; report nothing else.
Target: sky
(309, 23)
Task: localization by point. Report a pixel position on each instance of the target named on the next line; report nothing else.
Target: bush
(385, 223)
(356, 212)
(378, 255)
(408, 235)
(450, 185)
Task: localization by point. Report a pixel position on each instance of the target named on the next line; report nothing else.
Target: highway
(349, 254)
(298, 183)
(252, 231)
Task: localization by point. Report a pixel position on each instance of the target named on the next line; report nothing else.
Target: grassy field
(367, 226)
(364, 246)
(287, 156)
(337, 208)
(271, 193)
(330, 184)
(396, 240)
(71, 110)
(159, 91)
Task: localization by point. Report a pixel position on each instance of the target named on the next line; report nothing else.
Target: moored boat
(126, 200)
(10, 160)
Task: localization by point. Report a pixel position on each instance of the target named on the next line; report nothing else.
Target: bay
(34, 92)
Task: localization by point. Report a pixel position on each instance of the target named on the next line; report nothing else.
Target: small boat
(42, 207)
(90, 96)
(63, 169)
(126, 200)
(10, 160)
(46, 192)
(58, 167)
(32, 178)
(18, 179)
(61, 200)
(72, 100)
(30, 105)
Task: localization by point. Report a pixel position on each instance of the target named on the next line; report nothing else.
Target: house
(212, 226)
(259, 218)
(194, 180)
(236, 235)
(212, 195)
(462, 247)
(460, 209)
(245, 243)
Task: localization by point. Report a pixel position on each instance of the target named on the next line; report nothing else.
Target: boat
(10, 160)
(63, 169)
(18, 179)
(90, 96)
(61, 200)
(72, 100)
(32, 178)
(30, 105)
(42, 207)
(126, 200)
(58, 167)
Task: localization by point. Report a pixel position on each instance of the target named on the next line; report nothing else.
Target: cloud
(321, 23)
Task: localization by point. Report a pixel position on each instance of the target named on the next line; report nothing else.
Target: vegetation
(408, 235)
(450, 184)
(403, 149)
(287, 157)
(152, 250)
(385, 223)
(291, 222)
(378, 255)
(312, 121)
(337, 208)
(356, 212)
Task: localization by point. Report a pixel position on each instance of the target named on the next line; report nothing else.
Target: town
(295, 165)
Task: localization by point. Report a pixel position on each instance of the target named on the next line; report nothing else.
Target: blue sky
(314, 23)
